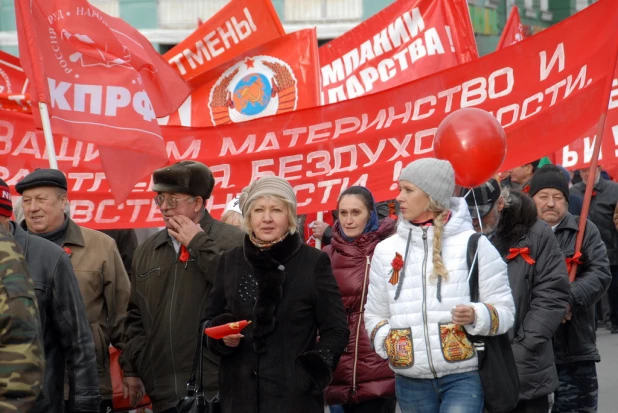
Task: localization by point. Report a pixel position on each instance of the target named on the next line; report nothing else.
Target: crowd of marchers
(383, 315)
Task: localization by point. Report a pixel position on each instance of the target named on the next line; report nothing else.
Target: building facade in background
(167, 22)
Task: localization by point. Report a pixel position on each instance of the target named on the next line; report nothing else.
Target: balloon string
(476, 254)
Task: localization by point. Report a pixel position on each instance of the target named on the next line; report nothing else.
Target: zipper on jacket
(358, 326)
(425, 326)
(171, 324)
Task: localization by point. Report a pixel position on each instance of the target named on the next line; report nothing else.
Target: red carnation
(397, 265)
(68, 251)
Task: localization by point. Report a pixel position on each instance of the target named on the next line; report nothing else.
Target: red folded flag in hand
(225, 330)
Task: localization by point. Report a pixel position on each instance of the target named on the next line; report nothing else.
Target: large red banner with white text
(239, 26)
(277, 77)
(546, 91)
(406, 41)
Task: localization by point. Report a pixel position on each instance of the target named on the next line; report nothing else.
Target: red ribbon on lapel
(184, 254)
(575, 259)
(523, 252)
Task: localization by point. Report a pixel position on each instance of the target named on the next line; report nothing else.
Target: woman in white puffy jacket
(419, 300)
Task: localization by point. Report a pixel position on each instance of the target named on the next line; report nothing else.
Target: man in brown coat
(173, 272)
(102, 279)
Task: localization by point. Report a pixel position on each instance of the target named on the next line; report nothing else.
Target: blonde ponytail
(439, 270)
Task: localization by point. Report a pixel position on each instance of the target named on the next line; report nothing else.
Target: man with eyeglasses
(173, 271)
(102, 281)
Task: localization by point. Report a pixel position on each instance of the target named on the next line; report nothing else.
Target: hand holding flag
(225, 330)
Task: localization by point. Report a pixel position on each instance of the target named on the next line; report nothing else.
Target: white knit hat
(434, 176)
(233, 205)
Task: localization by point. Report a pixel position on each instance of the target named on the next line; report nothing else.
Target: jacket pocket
(149, 274)
(398, 344)
(100, 348)
(454, 343)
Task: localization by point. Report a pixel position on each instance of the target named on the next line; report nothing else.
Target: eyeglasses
(172, 201)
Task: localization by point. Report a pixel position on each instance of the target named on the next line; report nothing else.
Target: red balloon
(473, 141)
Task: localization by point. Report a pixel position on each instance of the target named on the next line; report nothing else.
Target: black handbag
(196, 401)
(497, 367)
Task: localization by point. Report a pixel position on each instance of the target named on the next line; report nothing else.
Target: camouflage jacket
(21, 355)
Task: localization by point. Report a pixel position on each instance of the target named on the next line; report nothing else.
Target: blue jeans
(455, 393)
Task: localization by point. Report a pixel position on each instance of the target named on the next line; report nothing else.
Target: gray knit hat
(434, 176)
(267, 185)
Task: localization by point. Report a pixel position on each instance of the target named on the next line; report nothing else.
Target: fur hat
(42, 177)
(186, 177)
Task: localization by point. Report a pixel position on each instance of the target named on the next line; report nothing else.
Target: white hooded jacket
(415, 331)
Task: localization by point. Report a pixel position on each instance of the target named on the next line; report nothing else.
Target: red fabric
(395, 46)
(364, 141)
(102, 82)
(120, 403)
(287, 76)
(311, 217)
(523, 252)
(184, 254)
(574, 260)
(374, 378)
(513, 31)
(225, 330)
(237, 27)
(13, 84)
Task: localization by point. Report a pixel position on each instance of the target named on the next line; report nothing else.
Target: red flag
(277, 77)
(239, 26)
(407, 40)
(545, 91)
(103, 83)
(513, 30)
(13, 84)
(225, 330)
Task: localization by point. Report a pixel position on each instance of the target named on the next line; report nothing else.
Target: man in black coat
(538, 280)
(575, 341)
(603, 207)
(67, 339)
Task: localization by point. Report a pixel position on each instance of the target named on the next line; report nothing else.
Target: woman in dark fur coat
(288, 291)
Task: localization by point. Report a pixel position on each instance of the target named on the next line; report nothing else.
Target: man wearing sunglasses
(173, 271)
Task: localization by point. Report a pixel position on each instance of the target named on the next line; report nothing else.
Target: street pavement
(607, 371)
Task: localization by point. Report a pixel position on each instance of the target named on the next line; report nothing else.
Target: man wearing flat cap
(173, 271)
(102, 279)
(538, 280)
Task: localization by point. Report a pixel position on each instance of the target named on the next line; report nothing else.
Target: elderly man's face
(551, 205)
(44, 208)
(175, 204)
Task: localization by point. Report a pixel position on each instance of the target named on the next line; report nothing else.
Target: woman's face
(413, 203)
(353, 215)
(269, 218)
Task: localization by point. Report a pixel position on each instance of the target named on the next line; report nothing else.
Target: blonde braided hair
(439, 270)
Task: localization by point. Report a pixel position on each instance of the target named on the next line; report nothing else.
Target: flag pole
(318, 242)
(49, 138)
(588, 193)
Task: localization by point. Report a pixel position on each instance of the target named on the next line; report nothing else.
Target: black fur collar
(515, 222)
(269, 271)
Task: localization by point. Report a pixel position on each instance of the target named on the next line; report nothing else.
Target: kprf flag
(277, 77)
(13, 84)
(513, 30)
(102, 81)
(407, 40)
(239, 26)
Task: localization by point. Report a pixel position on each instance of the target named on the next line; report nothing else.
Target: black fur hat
(186, 177)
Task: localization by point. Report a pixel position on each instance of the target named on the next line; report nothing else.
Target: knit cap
(435, 177)
(549, 176)
(6, 204)
(265, 186)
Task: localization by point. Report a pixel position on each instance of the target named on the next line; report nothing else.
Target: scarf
(263, 245)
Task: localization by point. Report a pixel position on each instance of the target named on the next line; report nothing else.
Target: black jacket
(540, 291)
(168, 298)
(66, 332)
(289, 292)
(602, 207)
(576, 339)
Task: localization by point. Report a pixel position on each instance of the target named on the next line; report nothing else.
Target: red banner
(277, 77)
(546, 91)
(406, 41)
(13, 84)
(102, 81)
(239, 26)
(513, 30)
